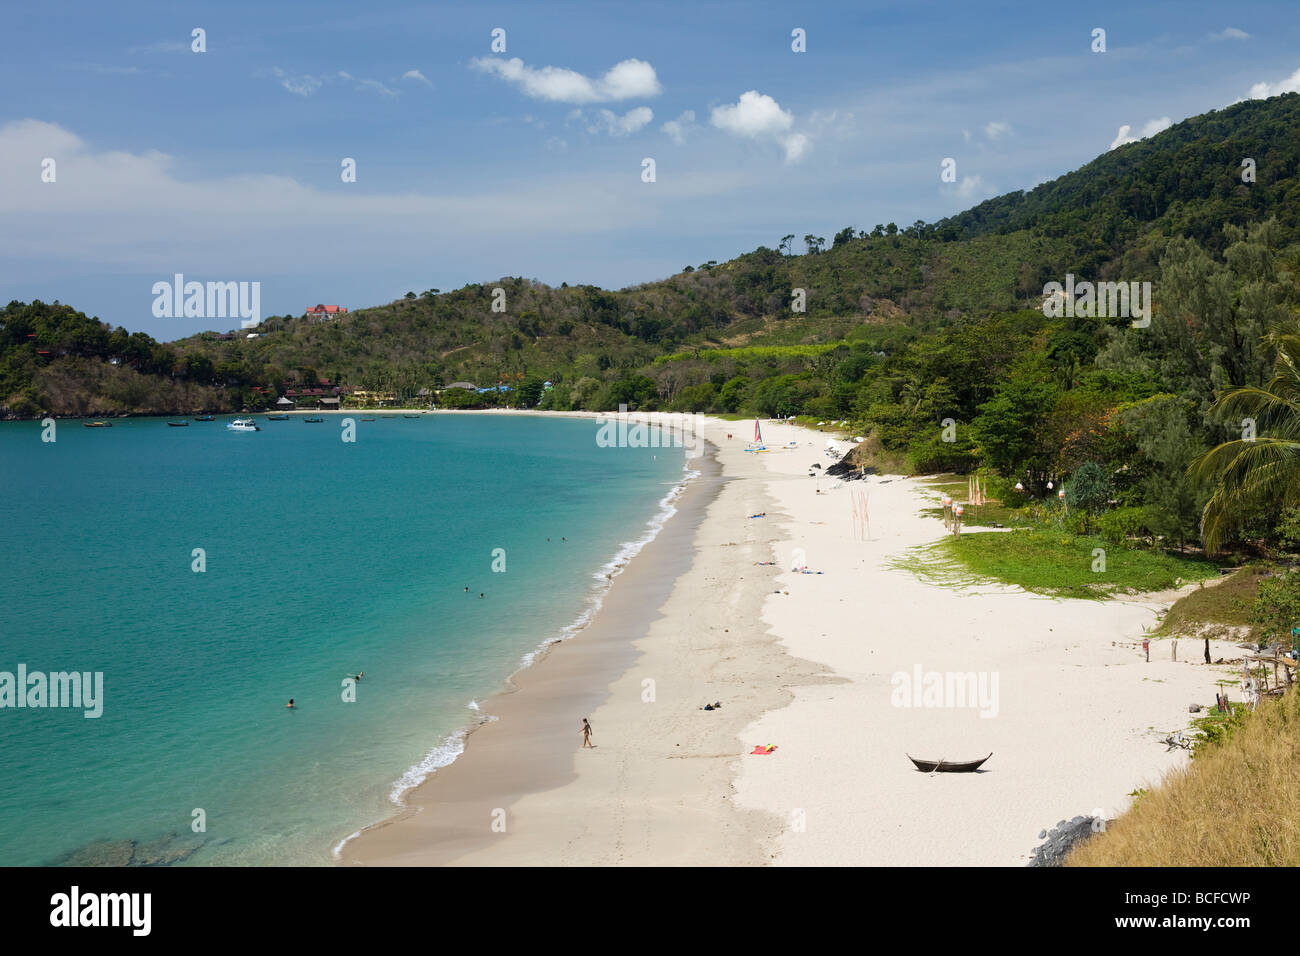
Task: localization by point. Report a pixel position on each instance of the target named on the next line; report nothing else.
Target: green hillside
(929, 339)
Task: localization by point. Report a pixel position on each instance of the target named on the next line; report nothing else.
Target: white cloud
(836, 123)
(607, 121)
(1230, 33)
(1262, 91)
(997, 129)
(678, 128)
(1149, 128)
(127, 212)
(373, 86)
(304, 85)
(418, 77)
(757, 116)
(626, 80)
(971, 186)
(796, 146)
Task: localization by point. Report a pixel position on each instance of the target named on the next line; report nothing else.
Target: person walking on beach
(586, 734)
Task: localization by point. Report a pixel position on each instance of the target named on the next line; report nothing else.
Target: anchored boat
(243, 425)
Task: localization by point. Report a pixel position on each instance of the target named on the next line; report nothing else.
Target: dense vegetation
(930, 339)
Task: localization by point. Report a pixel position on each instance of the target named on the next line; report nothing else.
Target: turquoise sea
(322, 558)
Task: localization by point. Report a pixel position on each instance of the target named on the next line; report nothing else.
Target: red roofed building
(326, 312)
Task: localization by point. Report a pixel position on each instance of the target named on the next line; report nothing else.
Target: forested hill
(1186, 181)
(873, 296)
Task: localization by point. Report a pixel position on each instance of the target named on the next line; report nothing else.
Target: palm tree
(1262, 468)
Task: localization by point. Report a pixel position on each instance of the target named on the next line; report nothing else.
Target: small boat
(96, 425)
(277, 418)
(178, 424)
(243, 425)
(313, 420)
(411, 416)
(204, 418)
(943, 765)
(367, 419)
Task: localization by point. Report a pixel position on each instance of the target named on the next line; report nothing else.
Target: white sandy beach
(805, 661)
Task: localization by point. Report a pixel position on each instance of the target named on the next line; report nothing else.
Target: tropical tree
(1088, 490)
(1261, 469)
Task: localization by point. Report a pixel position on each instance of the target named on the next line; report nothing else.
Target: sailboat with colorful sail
(757, 444)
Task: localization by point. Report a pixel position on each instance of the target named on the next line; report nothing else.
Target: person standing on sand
(586, 734)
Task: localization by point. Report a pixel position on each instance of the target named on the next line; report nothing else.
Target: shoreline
(804, 661)
(445, 753)
(506, 755)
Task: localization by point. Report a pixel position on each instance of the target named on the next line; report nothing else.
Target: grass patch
(1226, 604)
(992, 515)
(1052, 563)
(749, 353)
(1236, 804)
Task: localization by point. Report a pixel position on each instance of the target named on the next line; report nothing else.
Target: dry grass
(1224, 602)
(1236, 804)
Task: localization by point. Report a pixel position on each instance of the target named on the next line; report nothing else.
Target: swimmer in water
(290, 704)
(480, 593)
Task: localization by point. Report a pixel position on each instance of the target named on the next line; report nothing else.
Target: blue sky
(473, 164)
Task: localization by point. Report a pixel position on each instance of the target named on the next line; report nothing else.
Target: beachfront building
(369, 398)
(283, 404)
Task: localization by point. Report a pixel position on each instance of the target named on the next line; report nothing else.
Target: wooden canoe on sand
(947, 766)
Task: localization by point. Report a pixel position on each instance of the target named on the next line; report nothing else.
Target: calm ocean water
(322, 558)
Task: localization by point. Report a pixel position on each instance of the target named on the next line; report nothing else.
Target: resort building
(363, 397)
(323, 312)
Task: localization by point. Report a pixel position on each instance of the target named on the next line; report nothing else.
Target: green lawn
(1053, 563)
